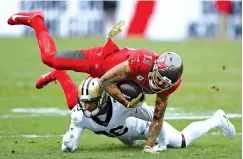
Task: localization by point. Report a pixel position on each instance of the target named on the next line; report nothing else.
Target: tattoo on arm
(116, 74)
(157, 122)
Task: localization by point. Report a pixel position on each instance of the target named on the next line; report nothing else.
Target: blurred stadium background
(207, 34)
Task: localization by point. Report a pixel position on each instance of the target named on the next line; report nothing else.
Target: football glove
(116, 29)
(68, 142)
(136, 102)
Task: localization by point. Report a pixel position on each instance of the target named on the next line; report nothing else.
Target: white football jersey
(117, 123)
(128, 125)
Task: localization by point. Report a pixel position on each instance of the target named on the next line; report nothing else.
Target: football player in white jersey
(101, 114)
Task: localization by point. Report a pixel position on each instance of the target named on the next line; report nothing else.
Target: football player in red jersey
(156, 74)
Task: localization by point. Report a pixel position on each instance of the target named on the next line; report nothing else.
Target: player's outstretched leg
(45, 41)
(77, 60)
(197, 129)
(69, 88)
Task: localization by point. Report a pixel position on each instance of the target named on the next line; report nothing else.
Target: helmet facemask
(155, 74)
(99, 101)
(167, 68)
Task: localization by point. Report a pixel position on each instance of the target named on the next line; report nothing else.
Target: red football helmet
(168, 68)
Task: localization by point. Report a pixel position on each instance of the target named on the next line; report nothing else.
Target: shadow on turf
(110, 147)
(138, 148)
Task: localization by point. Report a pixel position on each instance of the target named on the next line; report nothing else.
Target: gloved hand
(116, 29)
(68, 142)
(136, 102)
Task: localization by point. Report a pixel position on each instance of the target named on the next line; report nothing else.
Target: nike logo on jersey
(18, 16)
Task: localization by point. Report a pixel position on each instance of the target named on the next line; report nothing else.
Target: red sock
(69, 87)
(46, 43)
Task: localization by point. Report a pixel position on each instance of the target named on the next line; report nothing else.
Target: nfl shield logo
(140, 78)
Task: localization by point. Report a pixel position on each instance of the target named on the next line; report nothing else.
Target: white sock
(197, 129)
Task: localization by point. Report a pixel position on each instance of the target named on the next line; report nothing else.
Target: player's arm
(116, 74)
(71, 139)
(157, 122)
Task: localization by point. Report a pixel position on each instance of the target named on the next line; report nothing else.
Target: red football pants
(76, 60)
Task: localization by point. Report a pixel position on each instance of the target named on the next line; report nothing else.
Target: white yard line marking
(7, 116)
(41, 111)
(171, 113)
(183, 116)
(39, 136)
(31, 136)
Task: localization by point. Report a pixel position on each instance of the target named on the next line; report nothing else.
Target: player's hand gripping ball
(133, 93)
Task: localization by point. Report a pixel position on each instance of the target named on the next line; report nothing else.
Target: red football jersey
(141, 62)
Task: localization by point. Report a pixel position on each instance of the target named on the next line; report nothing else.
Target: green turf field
(208, 66)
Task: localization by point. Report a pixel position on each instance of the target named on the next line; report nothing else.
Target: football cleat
(225, 125)
(24, 18)
(45, 79)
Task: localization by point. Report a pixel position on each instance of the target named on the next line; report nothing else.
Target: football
(129, 89)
